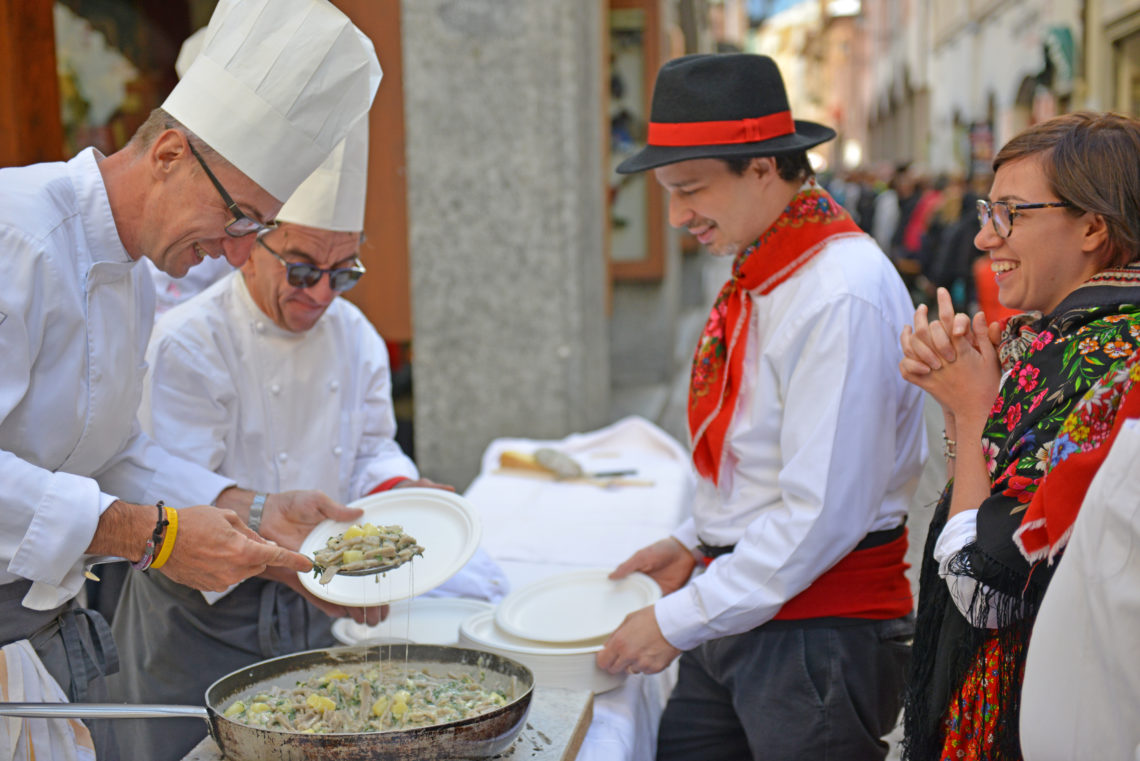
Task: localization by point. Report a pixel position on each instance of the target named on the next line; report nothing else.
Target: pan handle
(102, 711)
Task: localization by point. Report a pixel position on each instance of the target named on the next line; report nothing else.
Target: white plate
(443, 523)
(423, 621)
(580, 605)
(571, 668)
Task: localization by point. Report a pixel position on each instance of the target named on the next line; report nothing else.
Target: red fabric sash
(868, 583)
(389, 484)
(722, 133)
(811, 221)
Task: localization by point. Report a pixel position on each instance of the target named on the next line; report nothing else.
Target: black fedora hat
(720, 106)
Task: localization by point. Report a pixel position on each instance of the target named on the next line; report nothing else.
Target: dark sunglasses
(302, 275)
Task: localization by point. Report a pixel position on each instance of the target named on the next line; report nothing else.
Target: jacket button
(334, 386)
(337, 450)
(275, 388)
(282, 456)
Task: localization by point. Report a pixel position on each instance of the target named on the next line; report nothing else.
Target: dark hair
(790, 166)
(1092, 161)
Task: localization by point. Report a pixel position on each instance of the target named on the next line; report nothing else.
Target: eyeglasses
(302, 275)
(1002, 213)
(240, 225)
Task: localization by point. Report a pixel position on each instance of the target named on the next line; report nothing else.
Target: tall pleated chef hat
(332, 198)
(277, 86)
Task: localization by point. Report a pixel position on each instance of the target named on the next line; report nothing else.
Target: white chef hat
(277, 85)
(190, 49)
(332, 198)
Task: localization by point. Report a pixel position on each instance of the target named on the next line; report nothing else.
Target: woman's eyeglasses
(303, 275)
(1002, 213)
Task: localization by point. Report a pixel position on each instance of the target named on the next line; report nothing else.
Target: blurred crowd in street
(926, 225)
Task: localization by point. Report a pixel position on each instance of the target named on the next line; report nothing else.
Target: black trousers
(790, 691)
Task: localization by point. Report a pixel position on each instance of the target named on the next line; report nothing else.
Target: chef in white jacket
(269, 379)
(269, 98)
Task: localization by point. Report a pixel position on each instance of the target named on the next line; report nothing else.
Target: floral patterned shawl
(1074, 459)
(1049, 362)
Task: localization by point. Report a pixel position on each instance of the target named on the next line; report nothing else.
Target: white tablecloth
(537, 528)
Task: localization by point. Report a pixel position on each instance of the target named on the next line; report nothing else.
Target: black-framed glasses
(1002, 213)
(304, 275)
(241, 225)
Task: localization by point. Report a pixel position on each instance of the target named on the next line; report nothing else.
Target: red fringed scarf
(811, 221)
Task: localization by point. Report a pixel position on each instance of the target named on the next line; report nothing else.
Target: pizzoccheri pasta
(370, 698)
(362, 547)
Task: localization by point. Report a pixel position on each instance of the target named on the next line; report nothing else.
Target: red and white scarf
(810, 221)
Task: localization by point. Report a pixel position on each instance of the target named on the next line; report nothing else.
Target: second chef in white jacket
(268, 377)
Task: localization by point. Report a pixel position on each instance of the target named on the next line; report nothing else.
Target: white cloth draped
(606, 525)
(538, 528)
(23, 679)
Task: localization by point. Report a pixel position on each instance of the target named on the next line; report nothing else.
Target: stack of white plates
(556, 626)
(423, 621)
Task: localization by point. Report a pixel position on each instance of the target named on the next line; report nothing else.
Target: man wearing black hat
(794, 638)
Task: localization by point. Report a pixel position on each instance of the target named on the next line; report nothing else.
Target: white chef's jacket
(1081, 695)
(172, 291)
(273, 409)
(826, 444)
(75, 316)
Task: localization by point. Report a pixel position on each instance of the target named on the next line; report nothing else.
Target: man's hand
(290, 516)
(637, 647)
(667, 562)
(214, 549)
(361, 615)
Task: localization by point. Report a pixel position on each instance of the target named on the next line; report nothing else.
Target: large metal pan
(478, 737)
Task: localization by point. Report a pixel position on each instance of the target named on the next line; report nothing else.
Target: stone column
(503, 109)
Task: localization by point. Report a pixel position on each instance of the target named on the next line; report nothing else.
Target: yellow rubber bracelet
(167, 539)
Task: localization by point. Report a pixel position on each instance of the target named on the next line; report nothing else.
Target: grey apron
(75, 646)
(174, 645)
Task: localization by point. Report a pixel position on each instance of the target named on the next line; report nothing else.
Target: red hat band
(722, 133)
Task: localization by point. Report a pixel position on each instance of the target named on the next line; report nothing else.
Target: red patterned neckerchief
(811, 220)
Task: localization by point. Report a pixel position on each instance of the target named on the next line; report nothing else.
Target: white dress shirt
(75, 316)
(269, 408)
(826, 444)
(960, 530)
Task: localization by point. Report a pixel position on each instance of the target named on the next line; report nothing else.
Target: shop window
(636, 235)
(115, 63)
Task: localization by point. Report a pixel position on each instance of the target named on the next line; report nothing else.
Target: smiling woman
(1063, 235)
(1057, 246)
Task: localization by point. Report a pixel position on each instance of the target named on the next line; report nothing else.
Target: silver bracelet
(255, 510)
(949, 447)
